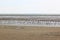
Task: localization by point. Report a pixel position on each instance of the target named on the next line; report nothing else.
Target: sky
(30, 6)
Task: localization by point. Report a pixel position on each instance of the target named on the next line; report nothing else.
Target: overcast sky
(29, 6)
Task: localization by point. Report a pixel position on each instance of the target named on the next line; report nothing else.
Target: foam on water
(33, 22)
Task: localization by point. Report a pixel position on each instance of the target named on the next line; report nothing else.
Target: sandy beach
(29, 33)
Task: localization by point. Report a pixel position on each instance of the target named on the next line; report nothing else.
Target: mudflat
(29, 33)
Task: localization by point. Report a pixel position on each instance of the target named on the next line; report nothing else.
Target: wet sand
(29, 33)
